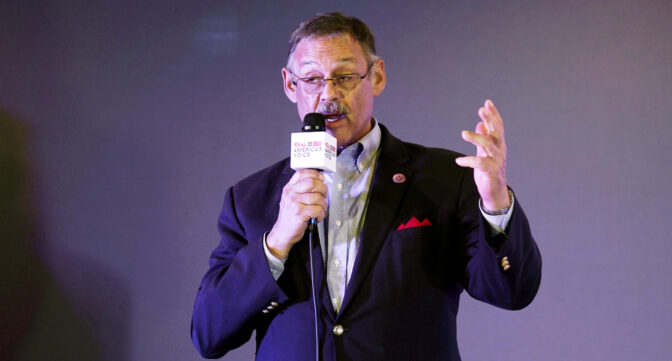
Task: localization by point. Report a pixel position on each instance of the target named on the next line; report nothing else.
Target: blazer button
(505, 264)
(338, 330)
(264, 311)
(274, 303)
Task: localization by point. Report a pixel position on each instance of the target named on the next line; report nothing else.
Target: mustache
(332, 107)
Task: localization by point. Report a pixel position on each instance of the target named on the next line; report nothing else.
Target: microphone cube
(313, 150)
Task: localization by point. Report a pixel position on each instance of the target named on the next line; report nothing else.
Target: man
(401, 233)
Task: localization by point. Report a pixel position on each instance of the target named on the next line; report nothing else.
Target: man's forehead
(309, 61)
(337, 48)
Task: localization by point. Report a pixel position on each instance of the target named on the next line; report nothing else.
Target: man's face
(348, 112)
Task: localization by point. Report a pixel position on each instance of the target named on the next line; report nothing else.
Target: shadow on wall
(39, 318)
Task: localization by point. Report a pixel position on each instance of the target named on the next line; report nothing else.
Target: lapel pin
(399, 178)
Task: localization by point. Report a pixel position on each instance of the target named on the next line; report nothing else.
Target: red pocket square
(413, 222)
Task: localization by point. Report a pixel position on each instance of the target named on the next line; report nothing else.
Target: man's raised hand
(489, 163)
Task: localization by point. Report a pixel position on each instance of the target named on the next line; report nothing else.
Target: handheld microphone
(313, 148)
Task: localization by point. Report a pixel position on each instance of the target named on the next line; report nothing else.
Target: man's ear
(378, 78)
(288, 85)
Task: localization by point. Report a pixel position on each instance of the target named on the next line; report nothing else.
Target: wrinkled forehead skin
(291, 59)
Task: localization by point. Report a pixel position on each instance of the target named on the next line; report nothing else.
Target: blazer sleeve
(484, 278)
(236, 289)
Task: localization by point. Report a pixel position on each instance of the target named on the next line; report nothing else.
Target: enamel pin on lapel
(399, 178)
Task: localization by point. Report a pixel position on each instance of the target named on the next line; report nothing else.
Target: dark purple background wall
(122, 123)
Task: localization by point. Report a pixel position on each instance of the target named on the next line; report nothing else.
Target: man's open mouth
(332, 117)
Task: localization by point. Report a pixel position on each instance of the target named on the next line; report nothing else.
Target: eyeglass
(347, 82)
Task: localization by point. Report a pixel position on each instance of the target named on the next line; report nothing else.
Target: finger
(310, 173)
(482, 163)
(481, 128)
(483, 114)
(492, 108)
(495, 118)
(492, 122)
(310, 199)
(310, 185)
(314, 211)
(302, 205)
(489, 127)
(485, 145)
(301, 174)
(493, 136)
(294, 179)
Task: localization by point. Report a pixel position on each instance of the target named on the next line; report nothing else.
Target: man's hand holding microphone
(304, 197)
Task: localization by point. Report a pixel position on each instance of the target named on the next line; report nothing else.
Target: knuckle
(312, 184)
(287, 190)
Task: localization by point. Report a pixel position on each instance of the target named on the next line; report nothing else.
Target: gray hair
(332, 24)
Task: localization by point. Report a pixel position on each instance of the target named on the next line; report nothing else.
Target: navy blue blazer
(402, 300)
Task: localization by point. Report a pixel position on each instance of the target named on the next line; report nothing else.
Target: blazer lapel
(385, 199)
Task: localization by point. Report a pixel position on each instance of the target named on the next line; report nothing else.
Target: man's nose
(330, 91)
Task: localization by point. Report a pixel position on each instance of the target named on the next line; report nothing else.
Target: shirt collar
(370, 143)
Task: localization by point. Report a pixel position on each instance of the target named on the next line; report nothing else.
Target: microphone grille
(313, 122)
